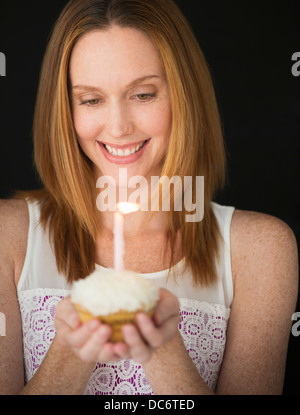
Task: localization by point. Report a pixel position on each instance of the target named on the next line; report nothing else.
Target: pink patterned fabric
(202, 326)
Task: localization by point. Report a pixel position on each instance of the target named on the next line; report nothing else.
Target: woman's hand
(153, 333)
(90, 341)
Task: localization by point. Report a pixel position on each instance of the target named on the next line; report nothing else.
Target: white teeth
(126, 152)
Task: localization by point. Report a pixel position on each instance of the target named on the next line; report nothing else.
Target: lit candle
(119, 250)
(118, 241)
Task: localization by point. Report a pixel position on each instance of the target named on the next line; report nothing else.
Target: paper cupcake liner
(115, 320)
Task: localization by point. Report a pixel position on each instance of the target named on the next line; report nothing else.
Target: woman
(124, 84)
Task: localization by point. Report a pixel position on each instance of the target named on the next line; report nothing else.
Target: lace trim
(202, 326)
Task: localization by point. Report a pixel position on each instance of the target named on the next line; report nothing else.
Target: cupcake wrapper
(115, 320)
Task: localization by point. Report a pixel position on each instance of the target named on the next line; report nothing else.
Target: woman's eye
(139, 97)
(91, 102)
(145, 97)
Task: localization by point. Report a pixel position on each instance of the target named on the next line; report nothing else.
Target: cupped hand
(90, 340)
(152, 333)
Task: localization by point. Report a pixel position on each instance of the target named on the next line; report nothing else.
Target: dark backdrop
(248, 46)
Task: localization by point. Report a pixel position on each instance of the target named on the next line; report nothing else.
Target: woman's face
(120, 101)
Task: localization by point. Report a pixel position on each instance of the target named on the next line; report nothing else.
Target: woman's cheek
(156, 122)
(87, 127)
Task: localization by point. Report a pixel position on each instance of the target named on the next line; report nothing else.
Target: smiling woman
(124, 87)
(89, 109)
(113, 110)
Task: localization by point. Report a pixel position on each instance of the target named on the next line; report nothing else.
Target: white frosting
(108, 291)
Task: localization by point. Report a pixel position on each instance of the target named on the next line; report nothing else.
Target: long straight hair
(68, 197)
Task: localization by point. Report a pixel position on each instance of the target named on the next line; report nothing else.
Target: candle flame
(127, 207)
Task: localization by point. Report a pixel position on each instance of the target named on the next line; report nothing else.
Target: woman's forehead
(121, 55)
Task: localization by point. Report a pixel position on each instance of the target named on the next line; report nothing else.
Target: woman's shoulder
(14, 223)
(262, 245)
(13, 215)
(260, 228)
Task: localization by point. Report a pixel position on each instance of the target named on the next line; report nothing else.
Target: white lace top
(204, 312)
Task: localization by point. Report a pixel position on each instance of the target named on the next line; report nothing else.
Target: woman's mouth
(122, 154)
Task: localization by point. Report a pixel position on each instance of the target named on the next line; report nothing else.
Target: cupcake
(114, 297)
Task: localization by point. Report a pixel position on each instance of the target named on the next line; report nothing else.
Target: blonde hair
(68, 196)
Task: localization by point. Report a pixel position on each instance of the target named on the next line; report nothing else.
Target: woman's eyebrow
(131, 84)
(142, 79)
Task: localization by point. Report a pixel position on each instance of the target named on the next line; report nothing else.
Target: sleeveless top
(204, 312)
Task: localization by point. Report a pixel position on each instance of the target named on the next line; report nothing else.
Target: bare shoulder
(265, 270)
(257, 236)
(13, 219)
(254, 224)
(264, 254)
(13, 208)
(13, 243)
(14, 222)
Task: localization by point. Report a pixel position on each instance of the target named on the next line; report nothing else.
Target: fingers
(153, 333)
(90, 329)
(97, 348)
(139, 350)
(92, 348)
(89, 341)
(146, 337)
(66, 312)
(154, 336)
(167, 307)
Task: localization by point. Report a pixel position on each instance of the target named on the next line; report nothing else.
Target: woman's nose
(118, 121)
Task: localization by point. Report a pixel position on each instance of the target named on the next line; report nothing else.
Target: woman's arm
(171, 371)
(77, 347)
(11, 349)
(265, 264)
(166, 362)
(71, 358)
(61, 372)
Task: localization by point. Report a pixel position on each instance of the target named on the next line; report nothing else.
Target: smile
(122, 152)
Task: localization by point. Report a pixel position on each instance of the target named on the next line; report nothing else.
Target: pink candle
(119, 250)
(118, 241)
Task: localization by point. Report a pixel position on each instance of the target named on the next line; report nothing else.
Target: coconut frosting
(108, 291)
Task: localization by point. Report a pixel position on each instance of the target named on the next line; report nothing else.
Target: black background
(248, 46)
